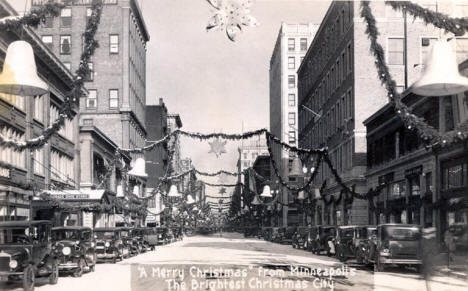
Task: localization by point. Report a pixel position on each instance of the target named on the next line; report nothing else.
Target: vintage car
(397, 244)
(287, 234)
(345, 242)
(74, 249)
(169, 235)
(137, 235)
(162, 235)
(177, 232)
(266, 233)
(365, 238)
(26, 252)
(131, 246)
(109, 245)
(300, 237)
(460, 236)
(324, 240)
(276, 234)
(150, 237)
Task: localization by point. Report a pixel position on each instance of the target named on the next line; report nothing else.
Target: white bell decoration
(136, 190)
(266, 192)
(19, 75)
(440, 76)
(190, 200)
(256, 201)
(245, 209)
(301, 195)
(120, 192)
(138, 169)
(173, 192)
(317, 193)
(296, 168)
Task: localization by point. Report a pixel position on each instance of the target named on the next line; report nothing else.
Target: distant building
(339, 89)
(290, 48)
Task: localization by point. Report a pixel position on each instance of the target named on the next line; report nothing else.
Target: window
(291, 81)
(291, 44)
(303, 44)
(245, 156)
(113, 98)
(8, 155)
(454, 176)
(38, 160)
(291, 118)
(395, 51)
(349, 62)
(89, 13)
(291, 63)
(398, 189)
(462, 49)
(65, 44)
(67, 65)
(426, 43)
(48, 22)
(292, 137)
(39, 108)
(414, 186)
(65, 17)
(114, 43)
(67, 129)
(292, 99)
(48, 40)
(91, 101)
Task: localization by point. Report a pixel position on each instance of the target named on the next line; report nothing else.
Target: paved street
(260, 264)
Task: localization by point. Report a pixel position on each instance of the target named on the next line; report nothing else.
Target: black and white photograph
(233, 145)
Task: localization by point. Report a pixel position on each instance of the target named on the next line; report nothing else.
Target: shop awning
(78, 195)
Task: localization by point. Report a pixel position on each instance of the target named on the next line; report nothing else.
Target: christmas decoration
(217, 147)
(231, 16)
(222, 190)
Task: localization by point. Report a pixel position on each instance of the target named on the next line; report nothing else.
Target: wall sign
(4, 172)
(71, 196)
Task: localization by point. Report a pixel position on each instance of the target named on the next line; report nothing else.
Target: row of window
(67, 130)
(342, 159)
(8, 155)
(61, 167)
(292, 44)
(92, 99)
(66, 43)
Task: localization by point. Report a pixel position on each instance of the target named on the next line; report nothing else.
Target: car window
(14, 236)
(401, 233)
(104, 234)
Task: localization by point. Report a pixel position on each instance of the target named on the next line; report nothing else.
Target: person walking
(450, 244)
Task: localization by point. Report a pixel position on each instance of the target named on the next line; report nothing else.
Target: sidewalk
(458, 268)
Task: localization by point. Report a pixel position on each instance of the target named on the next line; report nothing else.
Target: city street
(189, 261)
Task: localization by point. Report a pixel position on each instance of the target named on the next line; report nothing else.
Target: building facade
(339, 89)
(290, 48)
(57, 164)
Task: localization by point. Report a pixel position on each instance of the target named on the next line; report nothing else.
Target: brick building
(338, 81)
(291, 46)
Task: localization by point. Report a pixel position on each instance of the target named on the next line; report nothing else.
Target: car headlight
(66, 251)
(107, 244)
(13, 264)
(385, 253)
(92, 244)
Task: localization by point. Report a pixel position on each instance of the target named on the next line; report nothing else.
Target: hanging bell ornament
(173, 192)
(301, 195)
(440, 76)
(190, 200)
(296, 168)
(139, 168)
(266, 192)
(19, 75)
(256, 201)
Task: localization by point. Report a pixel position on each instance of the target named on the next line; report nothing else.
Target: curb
(458, 275)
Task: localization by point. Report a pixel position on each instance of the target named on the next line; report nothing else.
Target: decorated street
(201, 259)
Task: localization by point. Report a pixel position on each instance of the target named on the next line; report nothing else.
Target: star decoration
(222, 190)
(217, 147)
(230, 16)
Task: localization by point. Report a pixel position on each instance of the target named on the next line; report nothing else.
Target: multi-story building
(339, 89)
(156, 159)
(250, 150)
(173, 123)
(57, 164)
(290, 48)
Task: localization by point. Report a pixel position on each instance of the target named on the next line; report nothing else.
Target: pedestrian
(450, 244)
(429, 253)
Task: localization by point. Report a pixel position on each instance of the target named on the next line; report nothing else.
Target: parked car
(131, 246)
(345, 242)
(109, 244)
(150, 237)
(324, 240)
(287, 235)
(74, 249)
(460, 236)
(397, 244)
(251, 231)
(26, 252)
(170, 235)
(162, 235)
(266, 233)
(300, 238)
(137, 235)
(276, 234)
(177, 231)
(366, 240)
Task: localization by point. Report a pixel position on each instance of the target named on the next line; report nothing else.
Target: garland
(33, 19)
(429, 134)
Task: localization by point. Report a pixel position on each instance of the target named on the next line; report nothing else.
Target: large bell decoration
(138, 169)
(173, 192)
(301, 195)
(120, 192)
(256, 201)
(19, 75)
(136, 190)
(317, 193)
(266, 192)
(296, 168)
(440, 76)
(190, 200)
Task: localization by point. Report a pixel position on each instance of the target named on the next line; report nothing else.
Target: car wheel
(79, 272)
(114, 258)
(28, 278)
(53, 277)
(340, 255)
(359, 259)
(306, 245)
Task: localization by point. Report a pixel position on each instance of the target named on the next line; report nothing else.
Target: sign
(414, 171)
(71, 196)
(4, 172)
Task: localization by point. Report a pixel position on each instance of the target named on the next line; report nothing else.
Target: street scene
(233, 145)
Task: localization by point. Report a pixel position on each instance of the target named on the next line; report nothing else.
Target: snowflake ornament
(217, 147)
(230, 16)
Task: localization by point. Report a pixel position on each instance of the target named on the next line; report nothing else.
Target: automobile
(300, 237)
(74, 249)
(131, 245)
(275, 234)
(397, 244)
(177, 231)
(26, 252)
(109, 244)
(460, 235)
(150, 237)
(324, 240)
(251, 231)
(266, 233)
(162, 233)
(365, 241)
(345, 242)
(287, 234)
(137, 235)
(170, 235)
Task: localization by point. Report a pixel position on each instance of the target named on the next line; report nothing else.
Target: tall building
(116, 100)
(339, 89)
(250, 150)
(174, 123)
(57, 164)
(290, 48)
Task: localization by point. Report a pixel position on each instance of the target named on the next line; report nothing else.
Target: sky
(214, 84)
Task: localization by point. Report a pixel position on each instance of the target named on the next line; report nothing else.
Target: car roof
(23, 223)
(71, 228)
(106, 229)
(400, 224)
